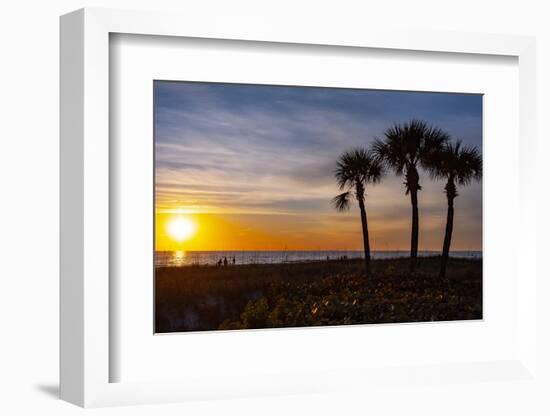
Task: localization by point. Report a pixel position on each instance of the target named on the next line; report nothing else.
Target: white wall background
(29, 205)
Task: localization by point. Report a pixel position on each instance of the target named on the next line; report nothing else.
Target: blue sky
(265, 155)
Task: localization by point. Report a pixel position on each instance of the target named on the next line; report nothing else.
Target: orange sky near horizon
(235, 232)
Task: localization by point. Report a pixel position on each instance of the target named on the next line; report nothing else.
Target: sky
(251, 167)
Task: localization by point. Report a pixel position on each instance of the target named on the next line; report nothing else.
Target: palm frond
(409, 144)
(342, 202)
(376, 170)
(462, 164)
(354, 170)
(469, 165)
(358, 165)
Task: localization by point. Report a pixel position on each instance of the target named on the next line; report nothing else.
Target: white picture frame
(85, 220)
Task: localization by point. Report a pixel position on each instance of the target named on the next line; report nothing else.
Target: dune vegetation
(338, 292)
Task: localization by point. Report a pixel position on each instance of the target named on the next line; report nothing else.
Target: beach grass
(317, 293)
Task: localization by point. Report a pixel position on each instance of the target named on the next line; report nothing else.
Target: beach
(315, 293)
(178, 258)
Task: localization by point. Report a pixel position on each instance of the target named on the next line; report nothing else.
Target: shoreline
(374, 258)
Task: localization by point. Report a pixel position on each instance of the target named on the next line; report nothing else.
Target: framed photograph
(286, 206)
(266, 211)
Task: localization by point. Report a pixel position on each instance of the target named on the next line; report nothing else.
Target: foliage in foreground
(202, 298)
(354, 299)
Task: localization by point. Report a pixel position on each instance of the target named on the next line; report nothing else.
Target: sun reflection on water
(179, 257)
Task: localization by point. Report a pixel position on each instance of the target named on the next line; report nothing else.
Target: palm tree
(459, 165)
(354, 170)
(405, 148)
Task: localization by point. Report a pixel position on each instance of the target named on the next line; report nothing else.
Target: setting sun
(181, 228)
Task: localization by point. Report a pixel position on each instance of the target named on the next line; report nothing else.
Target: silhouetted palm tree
(354, 170)
(459, 165)
(404, 148)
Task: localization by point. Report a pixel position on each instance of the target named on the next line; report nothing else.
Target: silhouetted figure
(225, 261)
(219, 262)
(233, 260)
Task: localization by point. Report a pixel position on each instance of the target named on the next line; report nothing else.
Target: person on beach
(225, 261)
(233, 260)
(219, 263)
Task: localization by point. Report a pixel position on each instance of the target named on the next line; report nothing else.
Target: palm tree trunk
(366, 245)
(414, 229)
(448, 235)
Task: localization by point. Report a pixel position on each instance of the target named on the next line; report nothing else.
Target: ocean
(189, 258)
